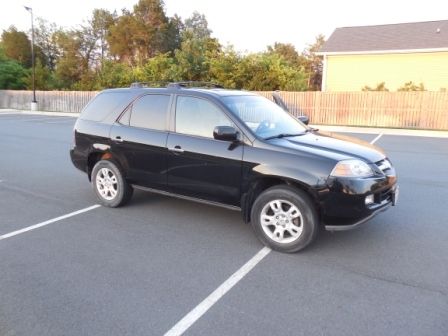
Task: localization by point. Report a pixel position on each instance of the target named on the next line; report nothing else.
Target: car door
(139, 139)
(198, 165)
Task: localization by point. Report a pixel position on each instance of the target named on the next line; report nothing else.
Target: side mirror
(225, 133)
(305, 119)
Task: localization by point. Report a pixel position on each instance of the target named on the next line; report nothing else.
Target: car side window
(150, 111)
(195, 116)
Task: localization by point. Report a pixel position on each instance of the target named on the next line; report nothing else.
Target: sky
(248, 25)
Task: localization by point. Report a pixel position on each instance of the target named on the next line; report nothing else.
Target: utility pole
(34, 102)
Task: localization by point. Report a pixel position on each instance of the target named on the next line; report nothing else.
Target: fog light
(369, 199)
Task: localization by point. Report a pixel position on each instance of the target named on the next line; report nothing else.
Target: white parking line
(196, 313)
(36, 226)
(187, 321)
(377, 138)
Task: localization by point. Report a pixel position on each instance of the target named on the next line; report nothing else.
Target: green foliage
(17, 46)
(147, 31)
(44, 78)
(313, 63)
(161, 68)
(379, 87)
(113, 75)
(224, 68)
(144, 44)
(288, 52)
(410, 86)
(266, 72)
(71, 65)
(45, 41)
(12, 75)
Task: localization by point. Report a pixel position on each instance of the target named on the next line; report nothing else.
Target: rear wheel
(109, 185)
(284, 218)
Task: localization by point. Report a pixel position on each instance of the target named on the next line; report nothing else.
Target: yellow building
(355, 57)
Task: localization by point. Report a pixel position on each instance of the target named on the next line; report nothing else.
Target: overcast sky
(249, 25)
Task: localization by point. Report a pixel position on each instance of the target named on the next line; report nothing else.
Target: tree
(71, 64)
(161, 68)
(113, 75)
(197, 50)
(314, 66)
(194, 58)
(100, 23)
(410, 86)
(17, 46)
(379, 87)
(144, 33)
(288, 52)
(45, 40)
(196, 27)
(12, 75)
(224, 67)
(268, 72)
(44, 79)
(121, 38)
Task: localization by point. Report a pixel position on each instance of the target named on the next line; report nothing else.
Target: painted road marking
(195, 314)
(57, 219)
(377, 138)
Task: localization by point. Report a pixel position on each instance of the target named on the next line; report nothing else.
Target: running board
(188, 198)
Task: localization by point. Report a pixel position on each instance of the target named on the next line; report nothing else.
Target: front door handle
(176, 149)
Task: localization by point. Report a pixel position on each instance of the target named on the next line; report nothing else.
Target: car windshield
(263, 117)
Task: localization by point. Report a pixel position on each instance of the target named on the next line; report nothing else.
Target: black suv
(233, 149)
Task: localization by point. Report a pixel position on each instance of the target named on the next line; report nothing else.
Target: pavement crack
(28, 192)
(391, 281)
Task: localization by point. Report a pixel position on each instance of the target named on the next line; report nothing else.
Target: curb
(28, 112)
(385, 131)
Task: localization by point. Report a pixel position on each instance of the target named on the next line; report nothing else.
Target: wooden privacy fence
(420, 110)
(54, 101)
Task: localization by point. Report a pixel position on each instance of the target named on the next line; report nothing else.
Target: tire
(285, 219)
(111, 189)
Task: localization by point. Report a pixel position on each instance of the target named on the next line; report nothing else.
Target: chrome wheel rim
(281, 221)
(107, 184)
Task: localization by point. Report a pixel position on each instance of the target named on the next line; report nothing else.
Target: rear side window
(199, 117)
(150, 112)
(104, 104)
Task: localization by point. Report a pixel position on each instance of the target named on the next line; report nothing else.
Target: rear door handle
(118, 138)
(176, 149)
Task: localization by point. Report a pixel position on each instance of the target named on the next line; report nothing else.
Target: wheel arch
(96, 156)
(263, 183)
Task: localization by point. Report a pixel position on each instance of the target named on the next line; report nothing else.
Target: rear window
(104, 104)
(150, 111)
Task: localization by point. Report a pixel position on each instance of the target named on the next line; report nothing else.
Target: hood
(332, 145)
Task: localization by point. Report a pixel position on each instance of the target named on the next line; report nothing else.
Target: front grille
(384, 196)
(384, 165)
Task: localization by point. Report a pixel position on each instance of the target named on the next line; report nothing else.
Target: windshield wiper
(284, 135)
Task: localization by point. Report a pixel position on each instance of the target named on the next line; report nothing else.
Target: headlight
(352, 168)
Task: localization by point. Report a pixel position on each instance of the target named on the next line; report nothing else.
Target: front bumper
(344, 203)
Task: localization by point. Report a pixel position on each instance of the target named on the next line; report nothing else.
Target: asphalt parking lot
(141, 269)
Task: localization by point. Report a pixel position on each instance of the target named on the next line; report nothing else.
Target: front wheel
(109, 184)
(284, 218)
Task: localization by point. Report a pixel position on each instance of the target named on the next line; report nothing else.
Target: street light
(34, 102)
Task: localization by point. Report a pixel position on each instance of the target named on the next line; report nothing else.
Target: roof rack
(190, 84)
(177, 85)
(155, 84)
